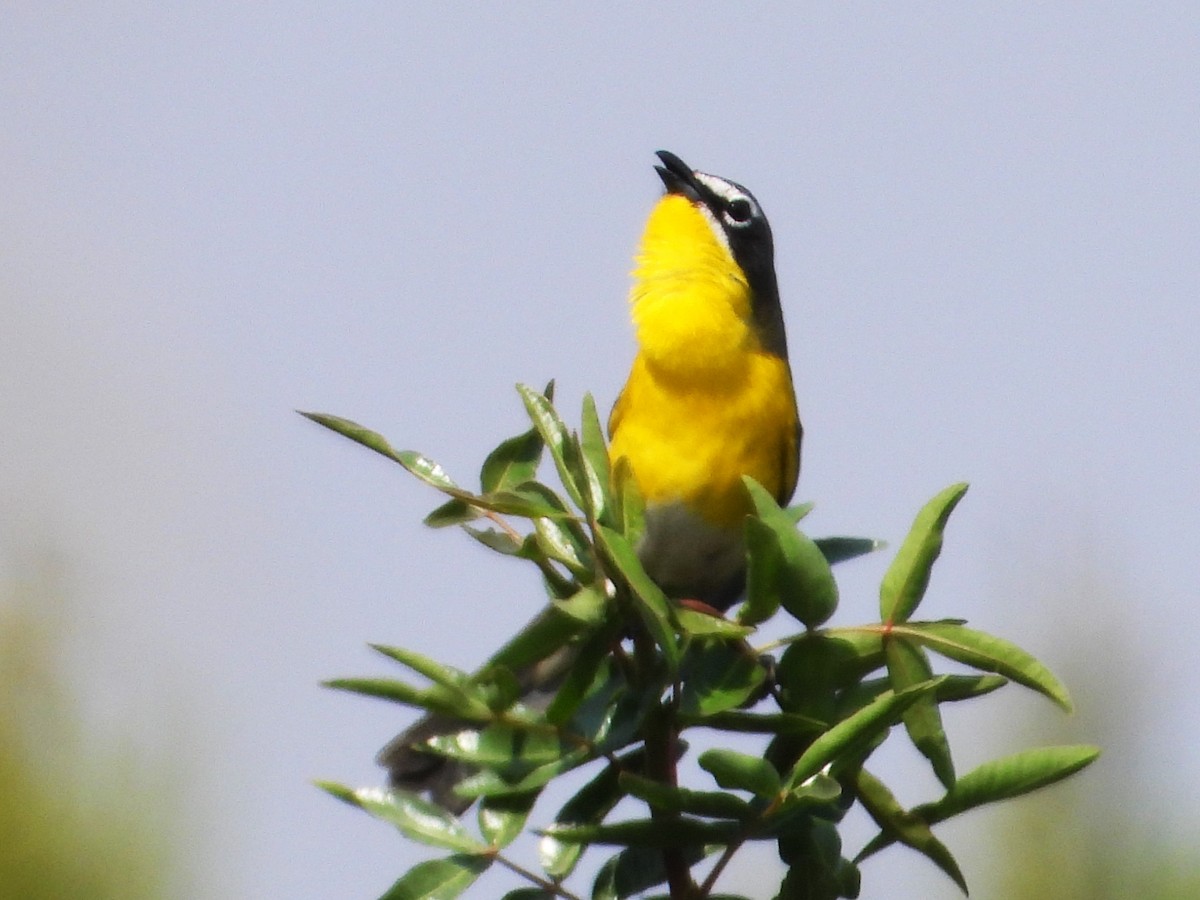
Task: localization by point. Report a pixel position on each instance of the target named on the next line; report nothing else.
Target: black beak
(677, 177)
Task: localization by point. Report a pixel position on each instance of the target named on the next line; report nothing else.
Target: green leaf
(799, 511)
(907, 666)
(422, 467)
(819, 664)
(502, 747)
(717, 676)
(589, 806)
(683, 832)
(631, 511)
(667, 798)
(907, 577)
(741, 722)
(740, 771)
(454, 511)
(417, 819)
(695, 623)
(450, 678)
(439, 879)
(856, 732)
(637, 869)
(842, 549)
(549, 631)
(557, 440)
(513, 462)
(502, 819)
(500, 541)
(595, 460)
(805, 583)
(437, 699)
(559, 541)
(579, 684)
(764, 572)
(991, 654)
(651, 603)
(898, 824)
(588, 605)
(1009, 777)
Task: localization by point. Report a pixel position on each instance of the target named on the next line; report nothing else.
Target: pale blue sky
(987, 223)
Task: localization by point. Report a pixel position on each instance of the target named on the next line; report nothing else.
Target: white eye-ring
(738, 212)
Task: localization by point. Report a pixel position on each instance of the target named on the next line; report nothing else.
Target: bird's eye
(739, 211)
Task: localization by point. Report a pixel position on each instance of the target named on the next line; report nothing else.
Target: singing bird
(709, 399)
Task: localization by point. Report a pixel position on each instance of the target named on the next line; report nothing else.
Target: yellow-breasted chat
(709, 399)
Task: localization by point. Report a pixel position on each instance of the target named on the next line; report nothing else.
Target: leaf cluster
(629, 672)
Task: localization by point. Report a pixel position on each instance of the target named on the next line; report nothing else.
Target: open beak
(678, 178)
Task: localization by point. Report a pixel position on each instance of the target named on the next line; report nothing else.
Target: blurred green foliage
(77, 820)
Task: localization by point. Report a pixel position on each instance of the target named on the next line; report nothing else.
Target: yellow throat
(705, 403)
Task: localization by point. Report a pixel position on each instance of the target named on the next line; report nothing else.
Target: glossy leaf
(695, 623)
(738, 721)
(991, 654)
(631, 512)
(513, 462)
(637, 869)
(595, 460)
(420, 466)
(546, 633)
(502, 747)
(717, 676)
(806, 586)
(588, 605)
(1009, 777)
(684, 831)
(589, 806)
(842, 549)
(417, 819)
(557, 439)
(706, 804)
(435, 699)
(740, 771)
(651, 603)
(439, 879)
(454, 511)
(908, 666)
(502, 819)
(898, 824)
(764, 573)
(856, 732)
(907, 577)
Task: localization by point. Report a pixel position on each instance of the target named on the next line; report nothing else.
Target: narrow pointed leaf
(907, 666)
(684, 831)
(436, 699)
(695, 623)
(588, 605)
(502, 819)
(513, 462)
(858, 731)
(454, 511)
(740, 771)
(806, 586)
(446, 676)
(546, 633)
(631, 512)
(991, 654)
(557, 439)
(764, 571)
(637, 869)
(841, 549)
(595, 460)
(898, 824)
(589, 806)
(501, 747)
(652, 604)
(417, 819)
(422, 467)
(439, 879)
(907, 577)
(1009, 777)
(706, 804)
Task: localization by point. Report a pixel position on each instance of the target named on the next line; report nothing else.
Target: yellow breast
(704, 404)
